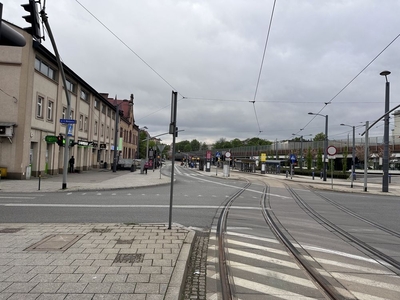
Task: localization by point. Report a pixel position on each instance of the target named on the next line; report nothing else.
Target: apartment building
(33, 101)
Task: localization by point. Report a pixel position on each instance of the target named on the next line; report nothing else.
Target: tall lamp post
(353, 153)
(325, 142)
(385, 162)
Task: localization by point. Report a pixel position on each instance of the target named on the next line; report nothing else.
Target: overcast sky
(211, 53)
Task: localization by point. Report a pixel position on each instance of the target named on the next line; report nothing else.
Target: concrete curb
(177, 283)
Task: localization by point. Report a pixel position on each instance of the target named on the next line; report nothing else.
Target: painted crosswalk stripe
(263, 258)
(273, 274)
(265, 289)
(258, 247)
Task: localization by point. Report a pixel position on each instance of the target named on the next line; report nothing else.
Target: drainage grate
(100, 230)
(129, 258)
(55, 242)
(10, 230)
(124, 241)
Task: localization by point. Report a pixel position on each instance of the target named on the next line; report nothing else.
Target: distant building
(32, 102)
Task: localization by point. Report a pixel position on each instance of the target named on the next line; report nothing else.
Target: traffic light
(8, 36)
(32, 18)
(176, 132)
(60, 140)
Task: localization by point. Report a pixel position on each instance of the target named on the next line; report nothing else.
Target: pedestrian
(71, 164)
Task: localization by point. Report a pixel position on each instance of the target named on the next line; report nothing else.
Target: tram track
(380, 256)
(225, 278)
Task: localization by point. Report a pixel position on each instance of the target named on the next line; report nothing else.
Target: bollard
(287, 174)
(312, 175)
(320, 176)
(390, 178)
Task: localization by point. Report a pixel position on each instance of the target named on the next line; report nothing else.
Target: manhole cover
(56, 242)
(100, 230)
(129, 258)
(124, 241)
(10, 230)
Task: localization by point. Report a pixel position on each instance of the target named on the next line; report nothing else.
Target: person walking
(71, 164)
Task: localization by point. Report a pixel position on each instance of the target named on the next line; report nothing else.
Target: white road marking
(263, 258)
(273, 274)
(258, 247)
(261, 288)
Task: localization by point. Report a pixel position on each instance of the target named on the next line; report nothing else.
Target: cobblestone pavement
(195, 287)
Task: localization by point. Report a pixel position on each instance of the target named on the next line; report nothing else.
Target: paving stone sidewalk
(104, 261)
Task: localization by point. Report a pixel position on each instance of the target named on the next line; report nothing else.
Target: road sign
(292, 157)
(227, 154)
(217, 155)
(331, 150)
(67, 121)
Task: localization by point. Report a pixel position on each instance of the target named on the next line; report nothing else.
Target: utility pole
(60, 67)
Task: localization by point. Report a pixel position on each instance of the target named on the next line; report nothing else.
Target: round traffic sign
(331, 150)
(227, 154)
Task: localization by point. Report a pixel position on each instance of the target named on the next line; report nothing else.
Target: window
(71, 114)
(103, 109)
(39, 107)
(84, 96)
(95, 127)
(80, 122)
(70, 86)
(50, 106)
(108, 112)
(64, 113)
(85, 125)
(44, 68)
(97, 103)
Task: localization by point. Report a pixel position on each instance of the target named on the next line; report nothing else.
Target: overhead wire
(351, 81)
(261, 66)
(130, 49)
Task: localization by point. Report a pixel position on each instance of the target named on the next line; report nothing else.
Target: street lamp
(353, 153)
(385, 162)
(326, 141)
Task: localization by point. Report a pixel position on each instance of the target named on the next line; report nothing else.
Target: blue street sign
(67, 121)
(218, 155)
(70, 129)
(292, 157)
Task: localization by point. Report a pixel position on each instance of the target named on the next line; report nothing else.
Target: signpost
(292, 159)
(331, 150)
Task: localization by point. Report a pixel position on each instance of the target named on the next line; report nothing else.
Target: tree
(319, 137)
(182, 146)
(195, 145)
(309, 158)
(204, 146)
(236, 143)
(319, 159)
(222, 143)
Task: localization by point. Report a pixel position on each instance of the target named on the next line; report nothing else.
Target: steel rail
(355, 215)
(226, 291)
(320, 281)
(382, 256)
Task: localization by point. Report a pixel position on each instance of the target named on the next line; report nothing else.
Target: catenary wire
(130, 49)
(261, 67)
(351, 81)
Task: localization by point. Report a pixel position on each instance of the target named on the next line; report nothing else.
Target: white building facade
(32, 102)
